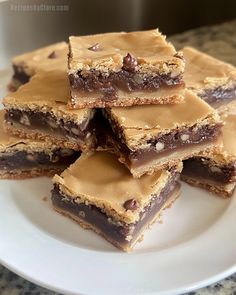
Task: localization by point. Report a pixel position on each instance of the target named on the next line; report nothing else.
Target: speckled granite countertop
(219, 41)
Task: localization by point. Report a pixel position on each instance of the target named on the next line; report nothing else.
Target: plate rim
(192, 287)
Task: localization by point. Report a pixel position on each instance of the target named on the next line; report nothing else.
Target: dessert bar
(23, 158)
(149, 138)
(124, 69)
(217, 172)
(211, 79)
(46, 58)
(108, 200)
(38, 110)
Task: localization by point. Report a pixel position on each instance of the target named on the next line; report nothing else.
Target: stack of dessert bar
(134, 112)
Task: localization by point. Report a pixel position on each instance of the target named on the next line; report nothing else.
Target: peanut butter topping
(46, 58)
(205, 72)
(106, 52)
(109, 185)
(228, 135)
(47, 92)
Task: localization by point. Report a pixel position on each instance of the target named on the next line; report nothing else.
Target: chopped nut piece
(184, 137)
(25, 120)
(159, 146)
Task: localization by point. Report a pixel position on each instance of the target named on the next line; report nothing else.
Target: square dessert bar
(124, 69)
(38, 110)
(108, 200)
(149, 138)
(217, 172)
(46, 58)
(211, 79)
(24, 158)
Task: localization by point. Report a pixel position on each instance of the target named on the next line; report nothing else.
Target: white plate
(195, 245)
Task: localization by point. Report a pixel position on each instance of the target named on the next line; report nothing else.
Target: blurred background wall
(28, 24)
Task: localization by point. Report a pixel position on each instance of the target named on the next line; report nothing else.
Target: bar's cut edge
(224, 191)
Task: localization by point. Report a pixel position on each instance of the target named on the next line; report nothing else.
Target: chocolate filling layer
(182, 137)
(24, 160)
(118, 233)
(207, 169)
(20, 74)
(48, 122)
(212, 96)
(123, 80)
